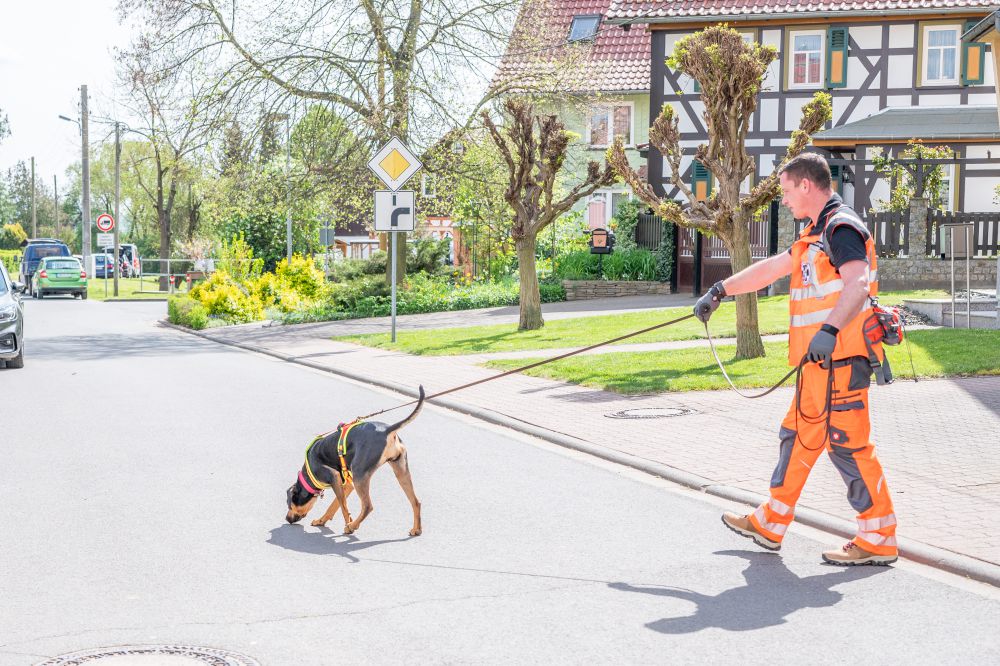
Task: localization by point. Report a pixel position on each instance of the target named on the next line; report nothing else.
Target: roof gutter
(992, 21)
(735, 18)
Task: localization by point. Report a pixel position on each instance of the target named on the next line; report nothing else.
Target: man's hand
(822, 345)
(710, 302)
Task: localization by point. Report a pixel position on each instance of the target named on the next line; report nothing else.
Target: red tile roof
(648, 9)
(616, 61)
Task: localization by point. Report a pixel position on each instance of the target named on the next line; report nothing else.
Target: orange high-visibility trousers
(804, 435)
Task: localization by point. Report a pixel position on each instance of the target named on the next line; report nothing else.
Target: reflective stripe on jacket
(816, 286)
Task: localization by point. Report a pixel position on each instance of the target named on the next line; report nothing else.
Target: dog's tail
(413, 414)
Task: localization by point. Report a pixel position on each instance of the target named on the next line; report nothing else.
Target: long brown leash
(536, 364)
(725, 374)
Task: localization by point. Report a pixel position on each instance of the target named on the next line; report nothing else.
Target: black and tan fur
(369, 445)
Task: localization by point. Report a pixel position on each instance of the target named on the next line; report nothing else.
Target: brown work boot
(853, 555)
(742, 526)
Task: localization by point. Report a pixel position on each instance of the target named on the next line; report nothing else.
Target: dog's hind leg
(334, 505)
(362, 486)
(401, 467)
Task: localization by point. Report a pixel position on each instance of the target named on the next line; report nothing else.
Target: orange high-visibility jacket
(816, 286)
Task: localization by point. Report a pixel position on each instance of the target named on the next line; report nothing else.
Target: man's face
(795, 196)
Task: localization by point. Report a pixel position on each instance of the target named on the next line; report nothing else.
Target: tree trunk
(748, 342)
(400, 257)
(531, 299)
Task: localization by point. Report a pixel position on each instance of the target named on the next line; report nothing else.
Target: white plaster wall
(857, 74)
(765, 165)
(754, 143)
(940, 100)
(987, 99)
(868, 36)
(983, 151)
(898, 101)
(772, 80)
(880, 190)
(685, 123)
(793, 111)
(902, 36)
(768, 110)
(900, 71)
(979, 193)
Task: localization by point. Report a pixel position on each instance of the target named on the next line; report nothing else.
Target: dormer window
(584, 28)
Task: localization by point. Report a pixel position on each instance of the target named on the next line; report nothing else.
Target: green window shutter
(701, 181)
(697, 86)
(836, 173)
(973, 60)
(836, 57)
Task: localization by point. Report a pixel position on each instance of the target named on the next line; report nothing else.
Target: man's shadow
(324, 542)
(771, 593)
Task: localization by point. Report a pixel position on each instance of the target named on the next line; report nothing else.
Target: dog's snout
(292, 517)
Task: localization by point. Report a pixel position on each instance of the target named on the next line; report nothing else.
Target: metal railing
(176, 272)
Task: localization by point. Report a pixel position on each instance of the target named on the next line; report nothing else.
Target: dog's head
(300, 498)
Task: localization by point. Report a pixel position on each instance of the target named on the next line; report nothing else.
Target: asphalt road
(143, 481)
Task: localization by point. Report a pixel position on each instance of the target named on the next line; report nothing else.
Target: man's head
(806, 185)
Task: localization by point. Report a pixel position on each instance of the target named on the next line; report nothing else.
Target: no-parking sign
(105, 222)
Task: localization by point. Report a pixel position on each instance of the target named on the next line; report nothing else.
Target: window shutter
(836, 172)
(973, 60)
(701, 181)
(697, 86)
(836, 57)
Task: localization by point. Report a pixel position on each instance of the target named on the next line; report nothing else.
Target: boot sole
(876, 561)
(754, 536)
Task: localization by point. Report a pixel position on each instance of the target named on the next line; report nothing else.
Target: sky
(47, 49)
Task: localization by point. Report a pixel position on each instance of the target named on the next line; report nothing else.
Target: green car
(59, 275)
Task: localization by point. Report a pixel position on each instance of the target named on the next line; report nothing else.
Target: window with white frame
(948, 187)
(941, 61)
(603, 205)
(607, 123)
(584, 28)
(807, 57)
(428, 185)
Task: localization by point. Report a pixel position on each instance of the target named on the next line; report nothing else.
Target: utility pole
(288, 185)
(84, 130)
(118, 222)
(34, 217)
(55, 197)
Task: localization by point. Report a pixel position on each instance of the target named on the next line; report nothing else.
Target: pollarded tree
(533, 163)
(731, 73)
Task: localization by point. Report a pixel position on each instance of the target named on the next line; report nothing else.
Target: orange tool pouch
(885, 326)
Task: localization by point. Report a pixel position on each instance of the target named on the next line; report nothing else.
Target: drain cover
(651, 413)
(154, 655)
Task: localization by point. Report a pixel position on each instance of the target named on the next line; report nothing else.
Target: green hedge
(627, 265)
(10, 259)
(186, 311)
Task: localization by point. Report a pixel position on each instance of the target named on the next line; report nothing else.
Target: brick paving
(939, 440)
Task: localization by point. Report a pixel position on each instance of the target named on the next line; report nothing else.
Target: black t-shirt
(846, 244)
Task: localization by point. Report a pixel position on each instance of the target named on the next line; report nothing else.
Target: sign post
(105, 223)
(394, 164)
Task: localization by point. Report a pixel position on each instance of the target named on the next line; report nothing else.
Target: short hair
(811, 166)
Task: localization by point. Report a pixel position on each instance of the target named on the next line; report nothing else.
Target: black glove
(822, 345)
(710, 302)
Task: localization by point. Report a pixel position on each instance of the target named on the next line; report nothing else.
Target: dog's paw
(416, 532)
(348, 529)
(318, 523)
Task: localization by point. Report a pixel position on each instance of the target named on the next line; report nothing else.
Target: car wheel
(41, 294)
(83, 295)
(17, 361)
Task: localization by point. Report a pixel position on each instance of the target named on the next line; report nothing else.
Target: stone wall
(578, 290)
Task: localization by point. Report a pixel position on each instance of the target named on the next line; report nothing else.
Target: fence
(175, 272)
(891, 231)
(649, 232)
(985, 235)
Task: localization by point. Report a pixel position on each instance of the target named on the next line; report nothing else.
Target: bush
(186, 311)
(665, 253)
(11, 236)
(347, 270)
(626, 220)
(301, 275)
(223, 297)
(628, 265)
(11, 259)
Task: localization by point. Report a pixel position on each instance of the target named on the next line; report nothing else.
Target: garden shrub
(236, 259)
(10, 259)
(626, 219)
(12, 235)
(665, 253)
(628, 265)
(223, 297)
(301, 275)
(187, 311)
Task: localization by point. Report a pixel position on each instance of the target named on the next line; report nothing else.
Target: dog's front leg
(366, 504)
(338, 490)
(334, 505)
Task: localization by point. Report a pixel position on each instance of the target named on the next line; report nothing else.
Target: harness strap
(345, 472)
(316, 483)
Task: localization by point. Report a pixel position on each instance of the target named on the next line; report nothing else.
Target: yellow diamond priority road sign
(394, 164)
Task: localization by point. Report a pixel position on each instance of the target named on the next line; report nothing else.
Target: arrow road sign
(394, 164)
(105, 222)
(394, 211)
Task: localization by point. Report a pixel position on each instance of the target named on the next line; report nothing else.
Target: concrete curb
(916, 551)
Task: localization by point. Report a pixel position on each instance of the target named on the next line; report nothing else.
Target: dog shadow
(772, 593)
(323, 542)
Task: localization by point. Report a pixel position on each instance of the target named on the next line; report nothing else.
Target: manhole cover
(154, 655)
(651, 413)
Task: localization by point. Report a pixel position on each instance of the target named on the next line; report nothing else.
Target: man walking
(833, 283)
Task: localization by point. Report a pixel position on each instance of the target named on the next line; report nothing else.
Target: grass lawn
(127, 288)
(936, 353)
(583, 331)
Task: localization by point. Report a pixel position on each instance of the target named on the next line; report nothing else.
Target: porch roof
(961, 124)
(662, 11)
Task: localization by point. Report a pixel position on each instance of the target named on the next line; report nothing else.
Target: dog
(369, 445)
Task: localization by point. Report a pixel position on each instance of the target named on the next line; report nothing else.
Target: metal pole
(288, 189)
(968, 280)
(392, 250)
(55, 197)
(85, 131)
(34, 216)
(951, 247)
(118, 192)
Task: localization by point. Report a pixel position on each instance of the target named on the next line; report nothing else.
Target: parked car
(104, 266)
(35, 249)
(130, 253)
(11, 321)
(59, 275)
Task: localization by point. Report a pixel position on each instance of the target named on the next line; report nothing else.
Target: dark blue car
(34, 250)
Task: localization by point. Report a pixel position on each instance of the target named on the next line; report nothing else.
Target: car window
(3, 280)
(62, 264)
(47, 251)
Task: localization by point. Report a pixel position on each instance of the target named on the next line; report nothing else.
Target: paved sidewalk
(939, 440)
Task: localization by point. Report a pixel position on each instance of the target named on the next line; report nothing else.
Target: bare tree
(533, 164)
(385, 65)
(731, 73)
